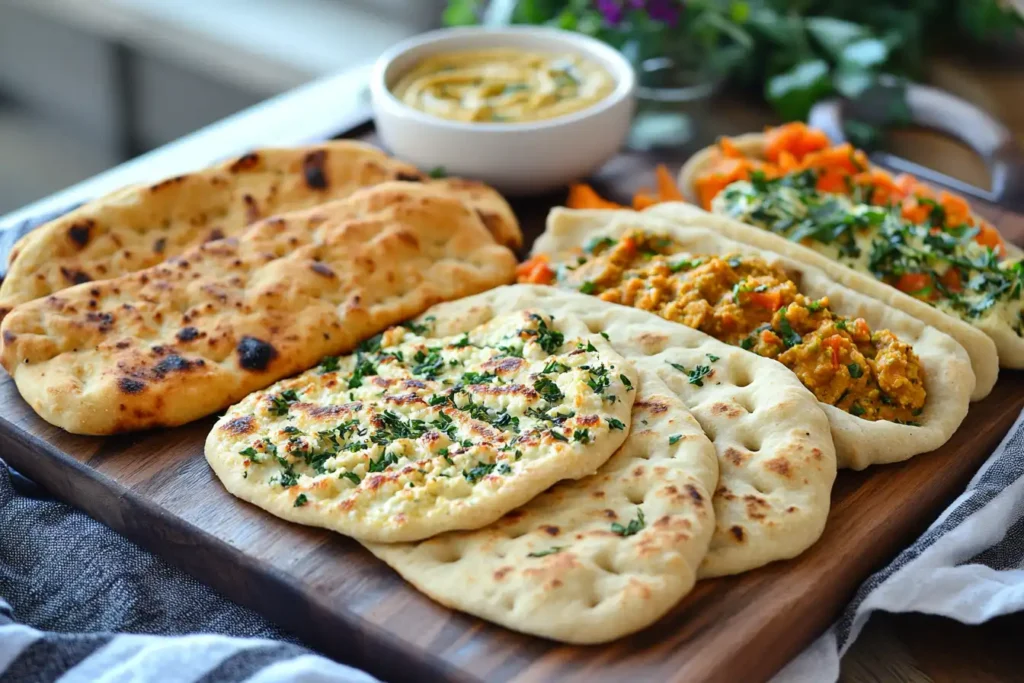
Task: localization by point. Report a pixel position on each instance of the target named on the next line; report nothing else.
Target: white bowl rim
(624, 75)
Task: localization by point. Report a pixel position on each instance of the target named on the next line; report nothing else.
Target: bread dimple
(138, 227)
(245, 311)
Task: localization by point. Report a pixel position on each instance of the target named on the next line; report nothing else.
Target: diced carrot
(835, 344)
(668, 191)
(958, 212)
(914, 211)
(535, 271)
(913, 283)
(884, 189)
(990, 237)
(643, 199)
(583, 196)
(769, 337)
(728, 148)
(770, 300)
(724, 173)
(787, 162)
(628, 244)
(795, 138)
(832, 180)
(951, 280)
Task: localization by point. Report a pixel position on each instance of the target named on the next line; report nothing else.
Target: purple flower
(612, 10)
(665, 11)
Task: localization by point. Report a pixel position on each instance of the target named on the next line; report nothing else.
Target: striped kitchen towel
(968, 566)
(70, 590)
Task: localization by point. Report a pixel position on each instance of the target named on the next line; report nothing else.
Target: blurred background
(86, 84)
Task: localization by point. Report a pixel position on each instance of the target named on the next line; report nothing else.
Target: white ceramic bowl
(516, 158)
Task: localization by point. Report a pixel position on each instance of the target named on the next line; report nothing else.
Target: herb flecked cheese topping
(409, 420)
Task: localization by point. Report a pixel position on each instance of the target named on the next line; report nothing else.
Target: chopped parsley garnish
(351, 476)
(712, 357)
(605, 335)
(438, 172)
(856, 410)
(634, 526)
(548, 390)
(393, 427)
(545, 553)
(251, 453)
(698, 375)
(477, 473)
(371, 345)
(364, 368)
(588, 287)
(427, 364)
(841, 324)
(558, 436)
(581, 436)
(674, 439)
(626, 383)
(512, 351)
(462, 342)
(329, 364)
(291, 430)
(599, 380)
(615, 424)
(478, 377)
(301, 500)
(555, 366)
(548, 339)
(856, 372)
(281, 402)
(383, 462)
(437, 400)
(788, 334)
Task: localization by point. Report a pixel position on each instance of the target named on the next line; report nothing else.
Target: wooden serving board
(156, 489)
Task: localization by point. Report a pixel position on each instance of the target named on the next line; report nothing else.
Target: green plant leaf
(795, 91)
(462, 12)
(850, 81)
(865, 53)
(834, 34)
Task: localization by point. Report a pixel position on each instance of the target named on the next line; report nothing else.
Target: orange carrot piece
(990, 237)
(728, 148)
(668, 191)
(951, 280)
(770, 300)
(643, 199)
(914, 283)
(535, 271)
(583, 196)
(834, 343)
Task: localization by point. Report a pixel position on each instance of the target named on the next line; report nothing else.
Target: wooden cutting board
(156, 489)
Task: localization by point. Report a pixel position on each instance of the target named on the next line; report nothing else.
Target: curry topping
(744, 301)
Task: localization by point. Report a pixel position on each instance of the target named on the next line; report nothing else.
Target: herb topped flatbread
(414, 436)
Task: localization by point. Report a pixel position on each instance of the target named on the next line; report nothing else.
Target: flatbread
(418, 436)
(775, 453)
(556, 568)
(139, 227)
(989, 346)
(859, 443)
(186, 338)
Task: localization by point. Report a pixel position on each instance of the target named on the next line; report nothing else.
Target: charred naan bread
(415, 436)
(186, 338)
(138, 227)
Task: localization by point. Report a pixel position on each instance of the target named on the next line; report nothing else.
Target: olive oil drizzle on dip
(503, 85)
(744, 301)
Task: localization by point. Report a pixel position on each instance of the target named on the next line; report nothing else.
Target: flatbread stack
(139, 227)
(441, 446)
(180, 340)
